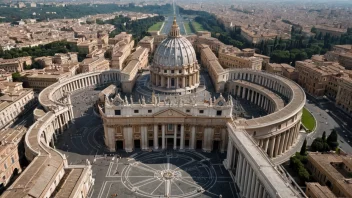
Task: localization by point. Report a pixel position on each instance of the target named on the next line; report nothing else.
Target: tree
(16, 77)
(332, 140)
(317, 145)
(304, 148)
(324, 136)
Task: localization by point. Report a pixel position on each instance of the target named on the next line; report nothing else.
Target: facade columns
(156, 137)
(239, 168)
(229, 154)
(163, 136)
(282, 142)
(128, 138)
(175, 136)
(271, 146)
(266, 144)
(256, 188)
(144, 138)
(277, 144)
(193, 137)
(182, 140)
(286, 141)
(223, 138)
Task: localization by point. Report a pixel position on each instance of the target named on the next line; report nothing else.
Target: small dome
(175, 50)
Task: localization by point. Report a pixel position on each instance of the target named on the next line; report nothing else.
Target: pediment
(170, 113)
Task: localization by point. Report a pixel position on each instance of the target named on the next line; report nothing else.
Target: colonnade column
(156, 137)
(182, 140)
(193, 137)
(229, 154)
(175, 136)
(271, 146)
(163, 136)
(277, 144)
(223, 138)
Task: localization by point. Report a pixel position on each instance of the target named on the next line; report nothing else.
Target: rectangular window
(201, 111)
(165, 71)
(188, 111)
(169, 127)
(150, 111)
(172, 71)
(13, 160)
(5, 165)
(218, 113)
(117, 112)
(136, 111)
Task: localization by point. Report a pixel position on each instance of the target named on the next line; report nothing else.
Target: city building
(38, 79)
(15, 101)
(61, 58)
(11, 152)
(15, 64)
(231, 57)
(341, 54)
(147, 42)
(314, 75)
(315, 190)
(255, 38)
(344, 94)
(123, 45)
(93, 64)
(282, 69)
(216, 71)
(333, 31)
(333, 171)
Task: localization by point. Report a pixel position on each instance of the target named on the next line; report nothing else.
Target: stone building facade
(15, 101)
(168, 124)
(333, 171)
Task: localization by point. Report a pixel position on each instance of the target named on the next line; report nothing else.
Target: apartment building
(136, 61)
(15, 64)
(15, 100)
(231, 57)
(332, 171)
(11, 152)
(216, 71)
(94, 64)
(282, 69)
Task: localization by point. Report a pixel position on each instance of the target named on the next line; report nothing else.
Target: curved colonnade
(48, 165)
(276, 132)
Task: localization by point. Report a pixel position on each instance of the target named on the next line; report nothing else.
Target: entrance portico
(169, 129)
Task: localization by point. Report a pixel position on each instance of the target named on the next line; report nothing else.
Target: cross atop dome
(175, 30)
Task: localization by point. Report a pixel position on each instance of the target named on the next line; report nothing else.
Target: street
(329, 117)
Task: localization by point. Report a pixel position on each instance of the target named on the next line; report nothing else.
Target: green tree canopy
(332, 140)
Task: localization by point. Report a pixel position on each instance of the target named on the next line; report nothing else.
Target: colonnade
(175, 81)
(158, 136)
(251, 169)
(90, 81)
(264, 79)
(256, 98)
(280, 143)
(244, 176)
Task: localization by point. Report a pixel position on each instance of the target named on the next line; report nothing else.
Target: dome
(175, 50)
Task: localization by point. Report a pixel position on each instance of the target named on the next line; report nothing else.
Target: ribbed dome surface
(175, 51)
